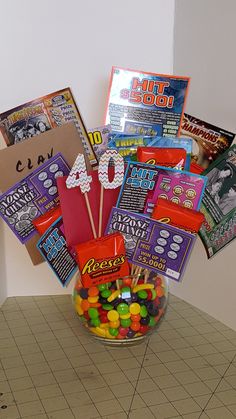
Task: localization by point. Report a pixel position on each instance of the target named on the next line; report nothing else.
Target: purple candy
(131, 333)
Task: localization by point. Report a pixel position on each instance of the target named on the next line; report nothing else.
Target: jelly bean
(143, 329)
(109, 284)
(93, 299)
(125, 316)
(134, 297)
(159, 291)
(123, 308)
(93, 292)
(102, 311)
(78, 299)
(95, 322)
(104, 325)
(106, 293)
(120, 337)
(135, 326)
(123, 331)
(127, 282)
(115, 325)
(93, 313)
(113, 332)
(86, 315)
(98, 331)
(142, 294)
(152, 321)
(102, 300)
(109, 336)
(140, 287)
(145, 320)
(107, 307)
(149, 294)
(79, 310)
(113, 315)
(158, 281)
(126, 290)
(102, 287)
(103, 318)
(125, 322)
(83, 292)
(97, 305)
(113, 296)
(85, 305)
(131, 333)
(152, 309)
(134, 308)
(154, 294)
(117, 302)
(143, 311)
(135, 317)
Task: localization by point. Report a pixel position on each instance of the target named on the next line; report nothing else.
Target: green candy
(109, 284)
(113, 332)
(102, 287)
(93, 313)
(152, 321)
(106, 293)
(143, 311)
(95, 322)
(142, 294)
(154, 294)
(123, 308)
(125, 322)
(107, 307)
(125, 289)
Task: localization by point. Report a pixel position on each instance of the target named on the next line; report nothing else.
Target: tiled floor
(50, 368)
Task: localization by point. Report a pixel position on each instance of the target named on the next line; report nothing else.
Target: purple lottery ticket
(32, 197)
(150, 244)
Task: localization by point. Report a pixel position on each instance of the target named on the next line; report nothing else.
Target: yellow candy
(109, 336)
(125, 316)
(78, 299)
(98, 331)
(143, 287)
(115, 325)
(93, 299)
(104, 325)
(113, 296)
(79, 309)
(134, 308)
(113, 315)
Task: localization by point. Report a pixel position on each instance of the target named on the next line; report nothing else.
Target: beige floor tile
(24, 396)
(231, 370)
(78, 399)
(21, 383)
(40, 368)
(31, 408)
(61, 414)
(3, 376)
(147, 385)
(94, 382)
(11, 412)
(197, 363)
(25, 340)
(5, 333)
(197, 389)
(122, 390)
(41, 327)
(131, 402)
(227, 397)
(186, 406)
(164, 411)
(108, 407)
(141, 414)
(149, 359)
(166, 381)
(128, 363)
(18, 372)
(105, 393)
(71, 387)
(80, 361)
(4, 387)
(207, 373)
(59, 364)
(7, 343)
(168, 356)
(212, 403)
(175, 393)
(152, 398)
(7, 399)
(218, 385)
(232, 409)
(29, 349)
(51, 390)
(21, 331)
(108, 367)
(136, 373)
(88, 411)
(12, 362)
(44, 336)
(52, 344)
(187, 377)
(118, 378)
(224, 346)
(35, 358)
(65, 376)
(54, 403)
(219, 413)
(231, 380)
(157, 370)
(8, 352)
(43, 379)
(177, 366)
(115, 416)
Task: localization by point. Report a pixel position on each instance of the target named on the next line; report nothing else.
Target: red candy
(123, 331)
(149, 294)
(143, 329)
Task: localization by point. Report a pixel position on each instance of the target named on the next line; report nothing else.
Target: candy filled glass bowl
(123, 312)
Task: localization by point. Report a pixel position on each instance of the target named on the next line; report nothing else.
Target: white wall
(205, 50)
(49, 44)
(3, 282)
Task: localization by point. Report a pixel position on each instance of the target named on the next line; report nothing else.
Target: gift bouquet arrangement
(120, 205)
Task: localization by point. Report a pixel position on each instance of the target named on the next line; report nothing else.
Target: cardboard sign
(19, 160)
(150, 244)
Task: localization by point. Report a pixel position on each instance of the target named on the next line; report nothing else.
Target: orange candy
(127, 282)
(159, 291)
(135, 317)
(85, 305)
(135, 326)
(93, 292)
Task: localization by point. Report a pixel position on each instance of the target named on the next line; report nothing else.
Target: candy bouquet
(118, 208)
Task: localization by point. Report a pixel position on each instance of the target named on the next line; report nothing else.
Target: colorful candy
(125, 313)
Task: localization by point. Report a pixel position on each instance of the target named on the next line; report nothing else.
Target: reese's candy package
(170, 213)
(168, 157)
(102, 260)
(43, 222)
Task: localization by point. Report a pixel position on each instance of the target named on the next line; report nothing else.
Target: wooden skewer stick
(90, 215)
(100, 211)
